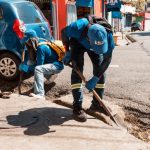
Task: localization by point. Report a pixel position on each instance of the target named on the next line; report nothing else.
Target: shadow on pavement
(37, 120)
(6, 85)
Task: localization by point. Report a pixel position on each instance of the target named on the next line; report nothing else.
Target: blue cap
(29, 34)
(98, 39)
(82, 22)
(78, 26)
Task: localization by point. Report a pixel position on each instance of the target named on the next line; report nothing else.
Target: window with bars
(148, 5)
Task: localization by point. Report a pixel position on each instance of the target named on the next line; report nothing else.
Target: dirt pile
(137, 128)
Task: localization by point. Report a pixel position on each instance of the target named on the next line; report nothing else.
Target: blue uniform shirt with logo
(75, 30)
(46, 55)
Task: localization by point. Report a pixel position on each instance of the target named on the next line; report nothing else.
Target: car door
(33, 18)
(1, 20)
(2, 25)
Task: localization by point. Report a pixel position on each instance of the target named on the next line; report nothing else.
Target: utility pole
(145, 5)
(103, 8)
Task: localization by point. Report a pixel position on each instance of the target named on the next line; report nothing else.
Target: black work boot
(79, 114)
(98, 108)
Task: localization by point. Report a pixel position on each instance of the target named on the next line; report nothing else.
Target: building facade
(60, 13)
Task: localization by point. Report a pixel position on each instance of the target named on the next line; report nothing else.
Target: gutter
(129, 36)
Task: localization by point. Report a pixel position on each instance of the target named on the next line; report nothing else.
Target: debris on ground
(5, 95)
(136, 129)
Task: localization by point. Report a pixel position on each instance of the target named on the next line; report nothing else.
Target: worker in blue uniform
(46, 63)
(99, 46)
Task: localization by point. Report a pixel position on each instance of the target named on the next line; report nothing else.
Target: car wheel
(9, 66)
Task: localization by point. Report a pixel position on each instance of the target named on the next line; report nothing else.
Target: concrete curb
(131, 38)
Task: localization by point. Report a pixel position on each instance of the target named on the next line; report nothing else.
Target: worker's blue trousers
(46, 70)
(99, 67)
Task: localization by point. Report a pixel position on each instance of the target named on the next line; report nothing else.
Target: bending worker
(46, 60)
(99, 46)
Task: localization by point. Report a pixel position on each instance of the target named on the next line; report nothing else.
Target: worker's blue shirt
(75, 29)
(111, 44)
(45, 55)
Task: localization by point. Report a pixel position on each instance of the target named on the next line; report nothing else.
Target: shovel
(73, 66)
(21, 72)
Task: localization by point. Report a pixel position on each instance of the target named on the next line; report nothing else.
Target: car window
(28, 13)
(1, 13)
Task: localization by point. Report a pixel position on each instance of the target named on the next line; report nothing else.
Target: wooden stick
(94, 93)
(21, 72)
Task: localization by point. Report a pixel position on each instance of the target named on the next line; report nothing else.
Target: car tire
(9, 64)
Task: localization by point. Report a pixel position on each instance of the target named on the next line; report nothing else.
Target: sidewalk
(28, 124)
(122, 40)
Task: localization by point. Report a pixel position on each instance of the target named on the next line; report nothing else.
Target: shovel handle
(23, 56)
(21, 72)
(78, 72)
(94, 92)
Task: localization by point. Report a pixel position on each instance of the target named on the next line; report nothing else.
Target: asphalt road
(128, 74)
(129, 84)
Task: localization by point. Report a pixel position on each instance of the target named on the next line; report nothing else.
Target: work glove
(66, 60)
(90, 85)
(26, 68)
(23, 67)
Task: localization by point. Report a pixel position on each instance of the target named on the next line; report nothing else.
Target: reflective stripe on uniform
(100, 86)
(76, 86)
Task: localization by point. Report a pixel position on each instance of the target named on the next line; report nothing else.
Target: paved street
(37, 108)
(127, 86)
(28, 124)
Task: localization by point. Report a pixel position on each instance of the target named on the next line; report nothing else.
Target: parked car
(16, 17)
(136, 27)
